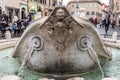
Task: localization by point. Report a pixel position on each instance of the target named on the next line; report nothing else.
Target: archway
(40, 10)
(23, 13)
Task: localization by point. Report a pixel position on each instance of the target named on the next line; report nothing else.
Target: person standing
(107, 23)
(91, 20)
(95, 22)
(29, 18)
(4, 25)
(113, 23)
(4, 17)
(26, 23)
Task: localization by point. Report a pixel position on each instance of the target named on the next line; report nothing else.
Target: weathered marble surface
(61, 44)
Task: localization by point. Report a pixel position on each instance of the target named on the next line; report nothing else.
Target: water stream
(96, 59)
(27, 57)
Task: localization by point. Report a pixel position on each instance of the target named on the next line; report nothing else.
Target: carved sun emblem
(60, 14)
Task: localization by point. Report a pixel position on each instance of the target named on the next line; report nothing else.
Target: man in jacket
(107, 23)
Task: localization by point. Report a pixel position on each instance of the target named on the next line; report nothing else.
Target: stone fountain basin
(10, 66)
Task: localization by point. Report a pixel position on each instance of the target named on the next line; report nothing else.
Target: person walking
(107, 23)
(95, 22)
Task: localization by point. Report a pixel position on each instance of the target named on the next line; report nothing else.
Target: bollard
(109, 79)
(12, 77)
(114, 36)
(8, 35)
(76, 78)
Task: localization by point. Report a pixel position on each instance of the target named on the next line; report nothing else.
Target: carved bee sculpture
(61, 44)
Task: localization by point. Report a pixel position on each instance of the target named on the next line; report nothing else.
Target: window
(35, 0)
(0, 10)
(88, 13)
(72, 5)
(40, 1)
(49, 2)
(117, 6)
(96, 13)
(93, 13)
(77, 5)
(45, 2)
(45, 13)
(88, 4)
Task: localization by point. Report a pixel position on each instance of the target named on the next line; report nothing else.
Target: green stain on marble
(10, 66)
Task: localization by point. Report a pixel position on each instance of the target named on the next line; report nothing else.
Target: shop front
(23, 11)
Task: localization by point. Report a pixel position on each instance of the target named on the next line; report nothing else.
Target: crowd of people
(94, 21)
(16, 27)
(104, 23)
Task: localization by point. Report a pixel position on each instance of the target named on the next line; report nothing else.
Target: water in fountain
(96, 59)
(28, 55)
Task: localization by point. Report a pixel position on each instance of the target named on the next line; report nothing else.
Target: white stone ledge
(7, 43)
(109, 79)
(111, 43)
(8, 40)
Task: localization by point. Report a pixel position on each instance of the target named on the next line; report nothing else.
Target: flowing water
(28, 55)
(95, 57)
(11, 66)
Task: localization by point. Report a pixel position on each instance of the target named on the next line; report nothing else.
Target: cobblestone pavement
(110, 31)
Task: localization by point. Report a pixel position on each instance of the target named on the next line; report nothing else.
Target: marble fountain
(59, 47)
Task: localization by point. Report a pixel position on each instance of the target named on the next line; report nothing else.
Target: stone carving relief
(61, 44)
(58, 25)
(84, 42)
(36, 43)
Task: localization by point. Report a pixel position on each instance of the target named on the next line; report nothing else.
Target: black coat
(107, 22)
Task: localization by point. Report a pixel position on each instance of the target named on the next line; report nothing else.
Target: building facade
(116, 11)
(21, 8)
(12, 8)
(2, 6)
(91, 8)
(42, 6)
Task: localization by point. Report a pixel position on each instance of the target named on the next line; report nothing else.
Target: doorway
(23, 13)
